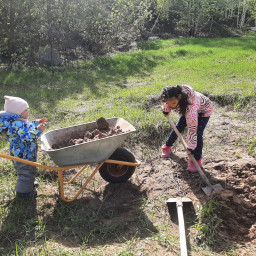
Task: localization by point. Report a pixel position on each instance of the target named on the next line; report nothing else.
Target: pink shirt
(198, 104)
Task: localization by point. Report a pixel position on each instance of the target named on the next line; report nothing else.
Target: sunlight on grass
(222, 68)
(213, 66)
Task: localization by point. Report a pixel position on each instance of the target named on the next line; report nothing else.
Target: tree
(78, 27)
(243, 14)
(252, 9)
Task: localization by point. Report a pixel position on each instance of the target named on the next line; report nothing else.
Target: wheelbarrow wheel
(116, 173)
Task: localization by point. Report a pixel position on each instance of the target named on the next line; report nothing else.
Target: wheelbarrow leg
(61, 184)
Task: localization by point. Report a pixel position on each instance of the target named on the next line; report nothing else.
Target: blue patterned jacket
(21, 134)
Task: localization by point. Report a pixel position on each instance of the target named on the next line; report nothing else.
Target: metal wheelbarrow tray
(94, 151)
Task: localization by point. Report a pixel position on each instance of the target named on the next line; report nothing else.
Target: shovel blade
(187, 205)
(208, 190)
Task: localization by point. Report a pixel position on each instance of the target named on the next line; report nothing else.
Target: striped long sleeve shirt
(198, 104)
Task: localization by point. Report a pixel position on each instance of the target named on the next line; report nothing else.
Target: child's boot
(192, 167)
(33, 193)
(166, 151)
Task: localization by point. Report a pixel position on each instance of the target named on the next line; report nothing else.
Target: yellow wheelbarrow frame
(61, 170)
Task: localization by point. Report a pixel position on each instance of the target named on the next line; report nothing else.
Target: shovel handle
(190, 155)
(183, 243)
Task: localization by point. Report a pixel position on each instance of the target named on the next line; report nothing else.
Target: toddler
(22, 136)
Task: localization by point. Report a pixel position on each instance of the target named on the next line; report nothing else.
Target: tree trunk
(243, 14)
(238, 10)
(197, 22)
(232, 10)
(210, 30)
(11, 30)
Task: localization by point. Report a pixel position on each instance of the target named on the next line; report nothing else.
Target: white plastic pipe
(183, 243)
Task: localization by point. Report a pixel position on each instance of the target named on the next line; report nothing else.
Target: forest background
(79, 30)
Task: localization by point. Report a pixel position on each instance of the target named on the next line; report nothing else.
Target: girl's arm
(192, 124)
(192, 117)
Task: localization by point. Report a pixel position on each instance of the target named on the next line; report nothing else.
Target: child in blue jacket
(22, 136)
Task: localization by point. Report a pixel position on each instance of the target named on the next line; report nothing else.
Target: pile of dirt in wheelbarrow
(103, 130)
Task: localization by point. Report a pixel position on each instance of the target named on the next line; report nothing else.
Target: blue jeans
(181, 125)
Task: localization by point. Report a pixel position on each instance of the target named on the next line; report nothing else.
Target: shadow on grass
(150, 45)
(44, 87)
(116, 217)
(19, 225)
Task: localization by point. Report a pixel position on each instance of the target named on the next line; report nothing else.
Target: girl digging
(195, 110)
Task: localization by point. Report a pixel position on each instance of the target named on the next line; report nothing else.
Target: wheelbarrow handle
(28, 162)
(189, 154)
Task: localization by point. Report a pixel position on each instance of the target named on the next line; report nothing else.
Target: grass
(126, 85)
(222, 68)
(252, 148)
(209, 222)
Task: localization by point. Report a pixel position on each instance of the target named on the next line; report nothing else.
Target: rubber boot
(192, 167)
(166, 151)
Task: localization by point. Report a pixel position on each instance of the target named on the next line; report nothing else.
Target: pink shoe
(166, 151)
(192, 167)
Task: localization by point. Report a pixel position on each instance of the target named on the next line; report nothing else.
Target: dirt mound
(103, 130)
(239, 219)
(160, 177)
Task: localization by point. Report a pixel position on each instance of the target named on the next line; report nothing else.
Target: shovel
(178, 203)
(209, 188)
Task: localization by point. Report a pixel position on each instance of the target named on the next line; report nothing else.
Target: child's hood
(6, 118)
(5, 113)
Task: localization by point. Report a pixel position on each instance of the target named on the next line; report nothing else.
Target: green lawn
(121, 85)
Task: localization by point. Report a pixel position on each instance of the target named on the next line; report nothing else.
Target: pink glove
(166, 109)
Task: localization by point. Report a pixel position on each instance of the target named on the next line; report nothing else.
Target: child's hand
(42, 120)
(41, 126)
(189, 151)
(166, 109)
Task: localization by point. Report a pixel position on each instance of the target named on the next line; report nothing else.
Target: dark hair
(174, 91)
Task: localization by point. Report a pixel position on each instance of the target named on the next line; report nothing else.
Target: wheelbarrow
(114, 163)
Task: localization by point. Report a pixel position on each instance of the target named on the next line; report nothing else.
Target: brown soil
(103, 130)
